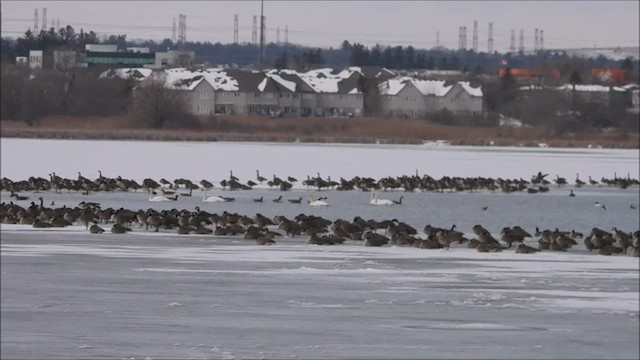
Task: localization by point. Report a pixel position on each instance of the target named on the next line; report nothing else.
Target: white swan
(160, 198)
(314, 202)
(375, 201)
(213, 198)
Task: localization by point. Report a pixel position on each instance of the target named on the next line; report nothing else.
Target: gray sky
(566, 24)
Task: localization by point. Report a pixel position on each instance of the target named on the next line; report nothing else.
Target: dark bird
(484, 208)
(571, 194)
(633, 207)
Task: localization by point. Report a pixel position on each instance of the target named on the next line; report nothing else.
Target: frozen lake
(69, 294)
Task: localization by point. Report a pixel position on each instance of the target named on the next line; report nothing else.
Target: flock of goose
(184, 187)
(321, 231)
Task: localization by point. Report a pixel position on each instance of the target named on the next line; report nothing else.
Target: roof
(126, 73)
(587, 88)
(426, 87)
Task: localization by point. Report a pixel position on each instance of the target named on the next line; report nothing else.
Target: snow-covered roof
(580, 87)
(286, 83)
(187, 79)
(426, 87)
(477, 91)
(126, 73)
(326, 81)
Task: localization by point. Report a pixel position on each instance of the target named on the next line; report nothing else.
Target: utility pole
(254, 31)
(278, 35)
(541, 44)
(286, 35)
(512, 44)
(437, 39)
(44, 19)
(535, 40)
(490, 43)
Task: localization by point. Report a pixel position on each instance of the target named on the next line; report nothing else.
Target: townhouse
(414, 98)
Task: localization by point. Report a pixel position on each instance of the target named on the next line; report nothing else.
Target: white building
(35, 59)
(101, 48)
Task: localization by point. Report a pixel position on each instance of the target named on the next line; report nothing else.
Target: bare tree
(157, 105)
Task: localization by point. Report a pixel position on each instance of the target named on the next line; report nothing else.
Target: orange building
(615, 76)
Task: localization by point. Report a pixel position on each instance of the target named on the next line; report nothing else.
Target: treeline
(354, 54)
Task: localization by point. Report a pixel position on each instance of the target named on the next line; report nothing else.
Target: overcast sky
(566, 24)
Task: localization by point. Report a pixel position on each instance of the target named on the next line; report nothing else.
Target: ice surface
(137, 295)
(214, 160)
(70, 294)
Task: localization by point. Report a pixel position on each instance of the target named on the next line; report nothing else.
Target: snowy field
(70, 294)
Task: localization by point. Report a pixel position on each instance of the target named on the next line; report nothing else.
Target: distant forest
(301, 57)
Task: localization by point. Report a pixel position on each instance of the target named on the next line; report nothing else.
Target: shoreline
(322, 131)
(167, 136)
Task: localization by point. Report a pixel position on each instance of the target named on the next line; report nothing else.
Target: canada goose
(579, 182)
(278, 199)
(95, 229)
(592, 182)
(231, 177)
(560, 181)
(258, 199)
(213, 198)
(260, 178)
(119, 229)
(598, 204)
(374, 200)
(18, 197)
(571, 194)
(524, 249)
(296, 201)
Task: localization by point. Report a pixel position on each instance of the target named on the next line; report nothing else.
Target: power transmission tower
(254, 32)
(278, 35)
(182, 28)
(57, 23)
(173, 31)
(286, 35)
(462, 41)
(44, 19)
(35, 22)
(437, 39)
(261, 55)
(475, 36)
(235, 29)
(541, 45)
(535, 40)
(521, 42)
(512, 43)
(490, 43)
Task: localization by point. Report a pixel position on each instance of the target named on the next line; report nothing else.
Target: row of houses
(319, 92)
